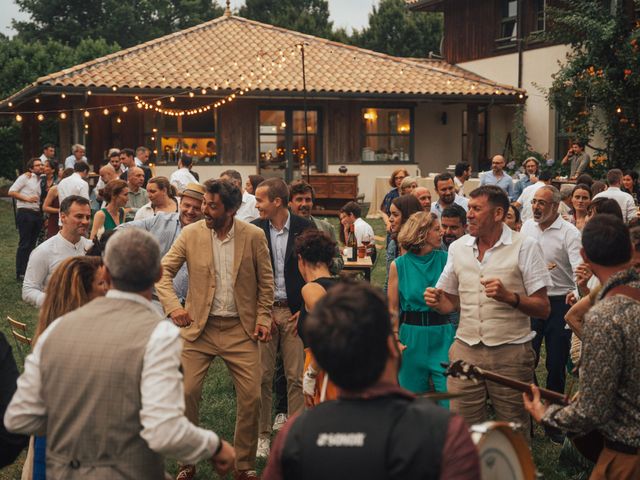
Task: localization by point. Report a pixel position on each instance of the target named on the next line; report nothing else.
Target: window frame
(160, 132)
(410, 135)
(511, 41)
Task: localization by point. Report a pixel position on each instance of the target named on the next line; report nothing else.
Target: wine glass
(367, 238)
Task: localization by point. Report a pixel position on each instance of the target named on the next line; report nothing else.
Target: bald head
(497, 164)
(135, 177)
(424, 196)
(108, 173)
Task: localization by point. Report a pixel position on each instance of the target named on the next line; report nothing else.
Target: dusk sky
(344, 13)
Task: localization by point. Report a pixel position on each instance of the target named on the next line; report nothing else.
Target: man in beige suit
(227, 310)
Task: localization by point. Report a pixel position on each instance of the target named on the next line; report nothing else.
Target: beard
(215, 223)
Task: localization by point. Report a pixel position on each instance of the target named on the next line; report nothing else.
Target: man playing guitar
(609, 399)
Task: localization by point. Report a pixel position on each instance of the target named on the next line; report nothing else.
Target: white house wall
(538, 66)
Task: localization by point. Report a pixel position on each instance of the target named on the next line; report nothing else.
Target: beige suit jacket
(253, 283)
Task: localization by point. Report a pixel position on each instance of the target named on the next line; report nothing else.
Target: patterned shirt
(609, 399)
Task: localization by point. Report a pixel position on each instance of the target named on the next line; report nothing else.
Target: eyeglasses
(399, 178)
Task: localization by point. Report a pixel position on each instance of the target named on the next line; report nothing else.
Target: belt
(28, 210)
(620, 447)
(424, 319)
(281, 303)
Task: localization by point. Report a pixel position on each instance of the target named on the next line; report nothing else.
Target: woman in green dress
(116, 194)
(425, 335)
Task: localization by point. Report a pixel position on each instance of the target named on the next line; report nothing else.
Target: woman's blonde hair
(407, 181)
(69, 288)
(413, 234)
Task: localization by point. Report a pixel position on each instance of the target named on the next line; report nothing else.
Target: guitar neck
(549, 395)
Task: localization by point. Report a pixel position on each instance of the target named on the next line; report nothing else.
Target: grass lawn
(218, 407)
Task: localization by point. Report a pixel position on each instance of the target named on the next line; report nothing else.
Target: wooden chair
(20, 336)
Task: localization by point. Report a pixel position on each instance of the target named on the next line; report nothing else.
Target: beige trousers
(225, 337)
(614, 465)
(515, 361)
(292, 352)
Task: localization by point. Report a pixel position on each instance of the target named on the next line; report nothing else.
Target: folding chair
(20, 336)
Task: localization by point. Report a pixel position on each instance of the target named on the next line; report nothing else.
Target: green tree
(124, 22)
(306, 16)
(395, 30)
(597, 90)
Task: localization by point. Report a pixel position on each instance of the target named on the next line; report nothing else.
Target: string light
(40, 117)
(37, 100)
(86, 113)
(63, 116)
(88, 92)
(105, 111)
(63, 95)
(18, 118)
(125, 109)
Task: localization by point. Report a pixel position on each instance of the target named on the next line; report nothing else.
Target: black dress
(324, 282)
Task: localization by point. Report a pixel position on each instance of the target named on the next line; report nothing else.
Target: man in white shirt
(77, 155)
(183, 177)
(247, 211)
(462, 174)
(497, 279)
(26, 192)
(70, 241)
(352, 212)
(142, 156)
(48, 152)
(524, 200)
(561, 243)
(131, 413)
(75, 184)
(446, 191)
(627, 205)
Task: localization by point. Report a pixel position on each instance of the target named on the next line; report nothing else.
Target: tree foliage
(395, 30)
(597, 90)
(306, 16)
(125, 22)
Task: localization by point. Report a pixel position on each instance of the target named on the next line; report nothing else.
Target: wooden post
(64, 134)
(473, 140)
(30, 138)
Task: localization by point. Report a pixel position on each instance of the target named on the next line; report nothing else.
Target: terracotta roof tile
(227, 49)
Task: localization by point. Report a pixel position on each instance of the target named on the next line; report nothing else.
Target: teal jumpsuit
(427, 345)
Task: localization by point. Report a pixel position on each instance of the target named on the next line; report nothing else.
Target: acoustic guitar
(589, 445)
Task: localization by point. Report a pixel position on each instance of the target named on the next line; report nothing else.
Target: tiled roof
(224, 53)
(423, 4)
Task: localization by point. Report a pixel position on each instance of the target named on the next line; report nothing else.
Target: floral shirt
(609, 399)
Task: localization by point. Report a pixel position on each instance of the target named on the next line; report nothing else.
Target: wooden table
(364, 265)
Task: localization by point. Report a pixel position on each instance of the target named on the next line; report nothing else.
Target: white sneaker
(264, 447)
(279, 422)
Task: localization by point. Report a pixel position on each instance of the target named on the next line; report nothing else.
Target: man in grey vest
(497, 279)
(104, 383)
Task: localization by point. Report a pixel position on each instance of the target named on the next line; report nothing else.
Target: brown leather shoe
(246, 475)
(186, 472)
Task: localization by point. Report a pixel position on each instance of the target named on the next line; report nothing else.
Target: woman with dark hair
(315, 251)
(580, 201)
(630, 184)
(399, 212)
(49, 178)
(604, 205)
(426, 334)
(162, 198)
(398, 175)
(513, 219)
(597, 187)
(252, 183)
(116, 194)
(51, 206)
(75, 282)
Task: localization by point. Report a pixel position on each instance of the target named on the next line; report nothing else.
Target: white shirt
(362, 228)
(625, 200)
(561, 243)
(28, 186)
(525, 198)
(164, 426)
(181, 178)
(44, 260)
(138, 162)
(71, 160)
(223, 305)
(144, 211)
(247, 211)
(459, 186)
(458, 200)
(279, 239)
(530, 262)
(73, 185)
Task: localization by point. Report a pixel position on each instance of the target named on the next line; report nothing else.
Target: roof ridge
(135, 48)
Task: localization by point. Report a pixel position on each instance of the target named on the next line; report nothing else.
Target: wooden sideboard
(332, 191)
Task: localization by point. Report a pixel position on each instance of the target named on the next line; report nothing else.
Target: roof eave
(426, 6)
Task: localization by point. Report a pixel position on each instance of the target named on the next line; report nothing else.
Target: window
(388, 135)
(539, 11)
(508, 28)
(563, 138)
(285, 149)
(193, 135)
(482, 137)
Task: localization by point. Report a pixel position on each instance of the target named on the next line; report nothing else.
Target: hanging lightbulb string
(248, 81)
